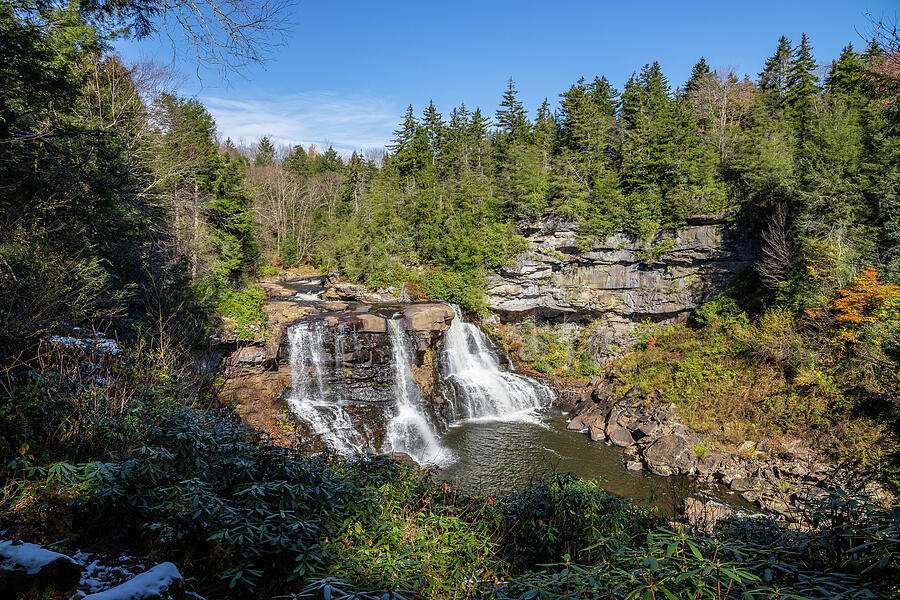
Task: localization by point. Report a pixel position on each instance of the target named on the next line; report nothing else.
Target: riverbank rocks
(619, 280)
(704, 515)
(670, 455)
(778, 477)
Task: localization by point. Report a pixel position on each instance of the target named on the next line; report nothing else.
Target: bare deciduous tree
(778, 250)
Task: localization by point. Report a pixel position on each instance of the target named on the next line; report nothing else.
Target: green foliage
(242, 308)
(735, 377)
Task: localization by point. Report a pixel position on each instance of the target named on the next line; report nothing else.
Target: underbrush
(242, 308)
(554, 350)
(116, 459)
(736, 378)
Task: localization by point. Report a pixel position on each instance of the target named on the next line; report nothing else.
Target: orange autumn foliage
(866, 300)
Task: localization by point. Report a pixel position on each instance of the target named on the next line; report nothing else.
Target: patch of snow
(28, 557)
(146, 585)
(96, 576)
(92, 341)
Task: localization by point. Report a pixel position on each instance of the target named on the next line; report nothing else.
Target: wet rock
(634, 465)
(28, 570)
(670, 455)
(368, 323)
(704, 515)
(276, 290)
(427, 323)
(162, 582)
(576, 424)
(597, 433)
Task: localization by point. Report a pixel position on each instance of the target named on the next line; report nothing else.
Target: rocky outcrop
(353, 335)
(619, 280)
(777, 478)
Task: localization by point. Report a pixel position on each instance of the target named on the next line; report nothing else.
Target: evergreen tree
(511, 117)
(298, 161)
(698, 74)
(265, 153)
(802, 86)
(230, 216)
(433, 125)
(330, 161)
(846, 76)
(773, 80)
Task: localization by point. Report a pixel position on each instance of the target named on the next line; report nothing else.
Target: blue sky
(349, 69)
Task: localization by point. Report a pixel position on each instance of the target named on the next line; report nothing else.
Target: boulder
(597, 433)
(709, 462)
(634, 465)
(576, 424)
(670, 455)
(162, 582)
(618, 435)
(28, 570)
(427, 317)
(368, 323)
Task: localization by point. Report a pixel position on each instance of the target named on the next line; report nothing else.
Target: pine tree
(478, 135)
(403, 137)
(434, 127)
(773, 80)
(265, 153)
(698, 73)
(802, 86)
(297, 161)
(511, 117)
(846, 76)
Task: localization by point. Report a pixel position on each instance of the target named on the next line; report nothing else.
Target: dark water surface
(499, 457)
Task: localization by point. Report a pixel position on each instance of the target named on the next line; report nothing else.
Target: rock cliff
(620, 280)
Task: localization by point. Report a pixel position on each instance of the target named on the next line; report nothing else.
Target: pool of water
(496, 457)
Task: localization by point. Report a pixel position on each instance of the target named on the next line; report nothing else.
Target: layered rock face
(621, 280)
(354, 362)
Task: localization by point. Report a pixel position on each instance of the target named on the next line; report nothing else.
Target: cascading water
(310, 399)
(411, 429)
(480, 388)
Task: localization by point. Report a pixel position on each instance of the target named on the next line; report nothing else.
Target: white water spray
(481, 389)
(311, 400)
(411, 429)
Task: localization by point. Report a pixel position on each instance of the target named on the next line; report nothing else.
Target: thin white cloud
(322, 118)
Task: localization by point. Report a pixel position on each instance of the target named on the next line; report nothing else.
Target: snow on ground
(97, 577)
(93, 340)
(30, 557)
(152, 583)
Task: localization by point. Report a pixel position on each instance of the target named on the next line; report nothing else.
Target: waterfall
(310, 399)
(411, 428)
(479, 387)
